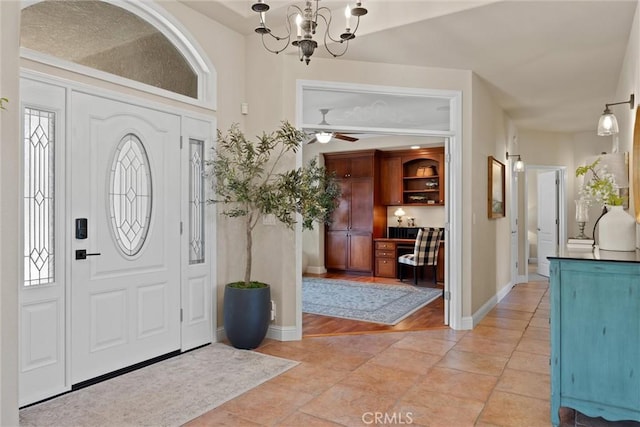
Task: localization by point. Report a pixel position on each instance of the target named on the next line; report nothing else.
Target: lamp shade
(323, 137)
(399, 212)
(518, 166)
(608, 124)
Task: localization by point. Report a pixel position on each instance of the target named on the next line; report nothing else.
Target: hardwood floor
(428, 317)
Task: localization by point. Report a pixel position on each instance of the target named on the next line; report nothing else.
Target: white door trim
(453, 185)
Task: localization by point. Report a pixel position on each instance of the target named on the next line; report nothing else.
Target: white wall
(490, 238)
(629, 82)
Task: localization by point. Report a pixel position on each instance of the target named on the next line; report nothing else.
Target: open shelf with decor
(423, 180)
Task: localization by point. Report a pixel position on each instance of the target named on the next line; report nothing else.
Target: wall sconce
(518, 166)
(608, 124)
(399, 213)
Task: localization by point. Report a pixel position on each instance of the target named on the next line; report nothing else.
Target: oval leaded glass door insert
(130, 195)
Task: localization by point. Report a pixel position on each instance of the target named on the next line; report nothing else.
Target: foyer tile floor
(494, 375)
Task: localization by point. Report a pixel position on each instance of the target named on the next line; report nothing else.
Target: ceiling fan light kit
(306, 21)
(323, 136)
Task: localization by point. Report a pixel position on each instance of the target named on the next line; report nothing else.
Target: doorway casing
(452, 133)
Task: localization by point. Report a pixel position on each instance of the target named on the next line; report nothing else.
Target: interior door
(125, 213)
(547, 219)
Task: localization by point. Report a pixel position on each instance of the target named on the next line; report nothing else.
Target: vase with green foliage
(249, 180)
(616, 230)
(601, 187)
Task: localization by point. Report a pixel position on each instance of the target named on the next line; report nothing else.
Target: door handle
(82, 254)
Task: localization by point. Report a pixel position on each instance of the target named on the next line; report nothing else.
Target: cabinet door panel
(599, 335)
(362, 204)
(391, 181)
(361, 252)
(336, 250)
(340, 216)
(341, 167)
(361, 167)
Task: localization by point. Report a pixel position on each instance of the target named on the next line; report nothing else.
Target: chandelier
(306, 23)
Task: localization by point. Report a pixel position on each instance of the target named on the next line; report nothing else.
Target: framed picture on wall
(496, 194)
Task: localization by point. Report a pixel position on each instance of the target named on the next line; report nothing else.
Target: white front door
(125, 186)
(547, 219)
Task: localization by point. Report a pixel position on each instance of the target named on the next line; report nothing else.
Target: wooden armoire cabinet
(359, 217)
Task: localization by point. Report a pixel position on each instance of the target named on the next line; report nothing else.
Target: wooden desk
(387, 252)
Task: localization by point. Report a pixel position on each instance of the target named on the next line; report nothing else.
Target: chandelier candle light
(306, 22)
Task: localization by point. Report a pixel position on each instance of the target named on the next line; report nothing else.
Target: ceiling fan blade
(312, 140)
(344, 137)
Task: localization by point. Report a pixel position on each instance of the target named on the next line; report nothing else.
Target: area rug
(369, 302)
(168, 393)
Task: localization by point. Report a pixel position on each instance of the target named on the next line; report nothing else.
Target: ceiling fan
(324, 137)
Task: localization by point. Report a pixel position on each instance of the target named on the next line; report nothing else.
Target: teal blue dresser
(595, 334)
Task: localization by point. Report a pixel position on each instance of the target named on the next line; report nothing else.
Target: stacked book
(580, 244)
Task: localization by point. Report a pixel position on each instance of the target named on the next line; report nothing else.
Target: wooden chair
(425, 252)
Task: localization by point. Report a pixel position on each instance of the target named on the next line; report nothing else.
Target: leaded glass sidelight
(130, 195)
(39, 144)
(196, 202)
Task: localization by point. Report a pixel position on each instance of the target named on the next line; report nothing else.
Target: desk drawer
(385, 267)
(385, 254)
(389, 246)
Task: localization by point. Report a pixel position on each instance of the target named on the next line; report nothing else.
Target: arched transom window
(108, 38)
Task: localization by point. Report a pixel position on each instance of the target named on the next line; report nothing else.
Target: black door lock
(82, 254)
(81, 228)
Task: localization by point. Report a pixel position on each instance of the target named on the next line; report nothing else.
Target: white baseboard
(533, 260)
(283, 333)
(316, 270)
(486, 307)
(467, 323)
(278, 333)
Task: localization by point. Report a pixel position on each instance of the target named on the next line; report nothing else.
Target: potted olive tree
(248, 180)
